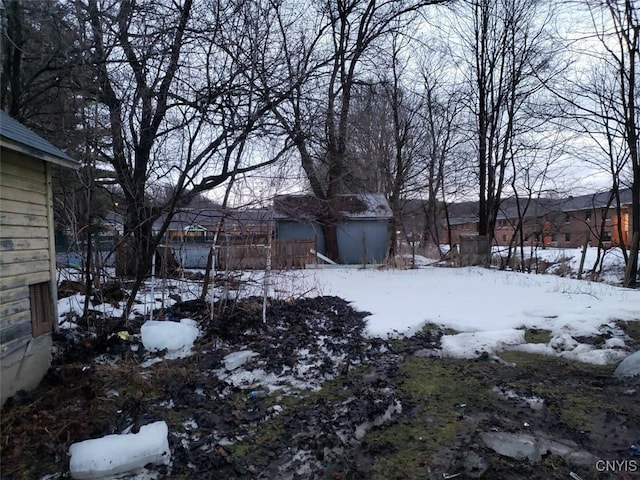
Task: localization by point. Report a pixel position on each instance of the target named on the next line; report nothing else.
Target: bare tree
(388, 138)
(509, 51)
(606, 106)
(182, 94)
(447, 169)
(531, 181)
(347, 34)
(40, 58)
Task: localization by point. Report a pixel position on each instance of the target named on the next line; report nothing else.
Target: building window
(504, 238)
(554, 237)
(567, 218)
(606, 236)
(41, 308)
(587, 215)
(567, 237)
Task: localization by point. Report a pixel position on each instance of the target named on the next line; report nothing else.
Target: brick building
(567, 222)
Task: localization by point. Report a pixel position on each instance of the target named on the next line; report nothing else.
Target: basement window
(41, 308)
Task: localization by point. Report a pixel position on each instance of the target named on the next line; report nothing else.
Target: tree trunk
(330, 230)
(631, 278)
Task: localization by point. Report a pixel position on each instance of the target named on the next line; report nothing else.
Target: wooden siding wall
(26, 250)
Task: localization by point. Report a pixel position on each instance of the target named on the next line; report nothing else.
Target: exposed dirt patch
(348, 406)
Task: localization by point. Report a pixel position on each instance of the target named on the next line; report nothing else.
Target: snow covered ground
(566, 261)
(489, 310)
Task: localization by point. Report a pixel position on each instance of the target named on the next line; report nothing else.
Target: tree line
(429, 99)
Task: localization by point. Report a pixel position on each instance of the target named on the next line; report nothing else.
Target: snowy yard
(489, 309)
(341, 387)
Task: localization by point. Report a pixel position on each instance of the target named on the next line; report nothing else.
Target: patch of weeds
(631, 329)
(562, 270)
(430, 326)
(537, 335)
(240, 450)
(175, 419)
(337, 389)
(435, 392)
(270, 432)
(574, 403)
(402, 450)
(595, 340)
(396, 344)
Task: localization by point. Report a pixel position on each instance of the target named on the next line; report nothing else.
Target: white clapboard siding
(25, 241)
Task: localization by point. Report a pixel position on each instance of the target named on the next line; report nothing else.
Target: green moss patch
(537, 335)
(437, 395)
(575, 394)
(632, 330)
(448, 403)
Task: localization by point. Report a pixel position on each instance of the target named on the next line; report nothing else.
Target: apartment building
(567, 222)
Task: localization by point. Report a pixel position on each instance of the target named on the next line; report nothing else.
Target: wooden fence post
(587, 239)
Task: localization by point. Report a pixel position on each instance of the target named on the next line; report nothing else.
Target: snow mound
(470, 345)
(115, 454)
(629, 367)
(171, 336)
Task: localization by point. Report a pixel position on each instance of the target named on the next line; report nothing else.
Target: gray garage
(363, 228)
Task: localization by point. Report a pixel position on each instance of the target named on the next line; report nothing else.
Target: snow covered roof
(351, 206)
(15, 136)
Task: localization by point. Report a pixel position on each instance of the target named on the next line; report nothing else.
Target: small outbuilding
(28, 298)
(362, 229)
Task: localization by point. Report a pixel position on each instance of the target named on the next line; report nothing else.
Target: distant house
(362, 230)
(27, 255)
(194, 225)
(566, 222)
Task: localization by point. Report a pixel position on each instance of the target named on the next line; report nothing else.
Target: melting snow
(115, 454)
(176, 338)
(237, 359)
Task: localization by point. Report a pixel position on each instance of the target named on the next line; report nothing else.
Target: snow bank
(475, 299)
(115, 454)
(574, 350)
(171, 336)
(470, 345)
(491, 309)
